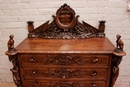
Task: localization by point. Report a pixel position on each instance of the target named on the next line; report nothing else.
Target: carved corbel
(15, 70)
(12, 54)
(117, 58)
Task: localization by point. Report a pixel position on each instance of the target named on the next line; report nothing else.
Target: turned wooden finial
(30, 26)
(102, 26)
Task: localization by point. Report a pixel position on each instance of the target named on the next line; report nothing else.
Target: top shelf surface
(91, 45)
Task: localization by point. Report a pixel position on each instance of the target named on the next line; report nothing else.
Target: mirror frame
(63, 10)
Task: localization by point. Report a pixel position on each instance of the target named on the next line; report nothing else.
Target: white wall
(15, 13)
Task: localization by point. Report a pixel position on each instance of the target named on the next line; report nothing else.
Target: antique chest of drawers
(66, 64)
(65, 55)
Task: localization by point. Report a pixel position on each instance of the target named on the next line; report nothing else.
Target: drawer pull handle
(94, 85)
(35, 84)
(96, 60)
(94, 73)
(64, 77)
(31, 59)
(34, 72)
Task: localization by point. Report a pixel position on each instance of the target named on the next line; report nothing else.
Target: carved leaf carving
(65, 60)
(15, 70)
(68, 73)
(65, 26)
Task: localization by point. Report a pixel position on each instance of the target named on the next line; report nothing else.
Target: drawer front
(64, 73)
(50, 83)
(35, 60)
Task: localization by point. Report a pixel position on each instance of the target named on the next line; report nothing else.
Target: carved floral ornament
(67, 73)
(70, 60)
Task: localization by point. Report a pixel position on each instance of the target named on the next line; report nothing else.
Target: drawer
(65, 73)
(52, 83)
(35, 60)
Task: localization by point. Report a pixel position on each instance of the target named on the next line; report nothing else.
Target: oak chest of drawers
(64, 59)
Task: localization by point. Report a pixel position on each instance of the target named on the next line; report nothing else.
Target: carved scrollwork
(115, 68)
(68, 73)
(62, 73)
(52, 31)
(65, 60)
(15, 70)
(65, 26)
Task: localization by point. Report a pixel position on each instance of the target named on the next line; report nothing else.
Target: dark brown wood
(117, 58)
(115, 69)
(15, 70)
(12, 55)
(30, 26)
(10, 45)
(45, 59)
(119, 44)
(102, 26)
(66, 26)
(65, 17)
(82, 83)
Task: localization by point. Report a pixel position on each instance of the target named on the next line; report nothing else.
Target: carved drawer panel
(64, 73)
(64, 59)
(51, 83)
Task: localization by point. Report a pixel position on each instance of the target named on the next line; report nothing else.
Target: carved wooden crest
(65, 17)
(64, 26)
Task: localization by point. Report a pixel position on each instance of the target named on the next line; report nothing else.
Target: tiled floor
(7, 85)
